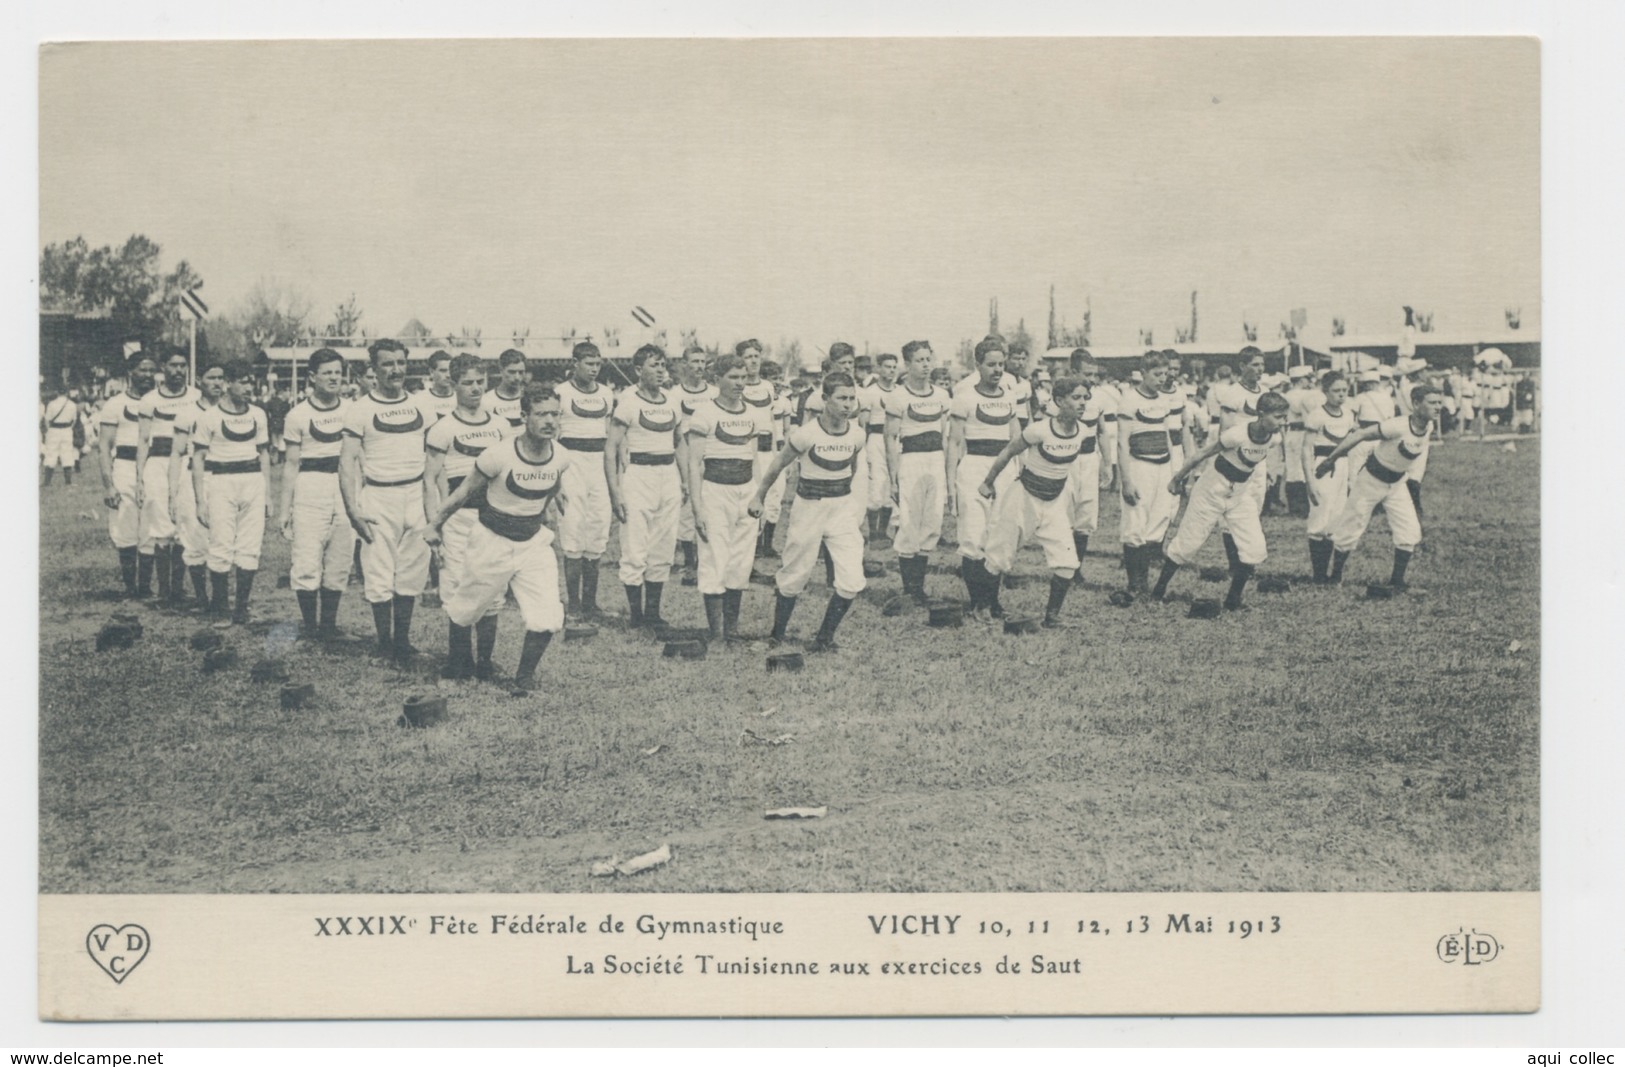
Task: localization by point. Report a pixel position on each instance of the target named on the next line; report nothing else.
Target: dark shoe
(823, 644)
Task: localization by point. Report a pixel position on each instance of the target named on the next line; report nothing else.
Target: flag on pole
(644, 318)
(131, 348)
(194, 303)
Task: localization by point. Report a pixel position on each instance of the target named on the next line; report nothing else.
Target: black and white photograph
(845, 466)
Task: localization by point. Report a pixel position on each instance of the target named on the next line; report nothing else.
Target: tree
(271, 314)
(415, 331)
(1054, 332)
(993, 317)
(1021, 338)
(789, 354)
(967, 353)
(125, 284)
(1192, 337)
(346, 320)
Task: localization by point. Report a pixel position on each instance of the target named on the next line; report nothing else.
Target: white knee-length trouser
(830, 521)
(653, 497)
(323, 541)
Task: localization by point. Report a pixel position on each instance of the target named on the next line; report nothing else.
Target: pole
(192, 331)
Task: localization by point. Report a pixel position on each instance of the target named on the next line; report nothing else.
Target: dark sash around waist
(1177, 437)
(1231, 471)
(985, 446)
(1294, 425)
(232, 466)
(729, 471)
(123, 451)
(393, 485)
(823, 488)
(160, 446)
(474, 500)
(764, 442)
(513, 527)
(1088, 446)
(1149, 445)
(1322, 451)
(652, 459)
(583, 444)
(1041, 487)
(1381, 473)
(319, 464)
(930, 441)
(875, 429)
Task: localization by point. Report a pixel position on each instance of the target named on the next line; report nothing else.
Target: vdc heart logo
(118, 950)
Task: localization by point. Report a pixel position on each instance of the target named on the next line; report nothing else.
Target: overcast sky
(858, 190)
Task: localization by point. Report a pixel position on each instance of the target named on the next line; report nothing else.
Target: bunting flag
(194, 303)
(644, 318)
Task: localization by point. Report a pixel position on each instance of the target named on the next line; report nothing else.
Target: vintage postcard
(909, 527)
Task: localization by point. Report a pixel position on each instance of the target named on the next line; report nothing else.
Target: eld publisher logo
(1469, 947)
(118, 950)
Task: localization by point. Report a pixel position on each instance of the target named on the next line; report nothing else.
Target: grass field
(1317, 742)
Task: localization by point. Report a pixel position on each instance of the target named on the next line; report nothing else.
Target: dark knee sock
(783, 608)
(161, 563)
(973, 581)
(589, 585)
(1338, 559)
(713, 614)
(768, 530)
(1057, 595)
(1402, 559)
(307, 608)
(572, 584)
(651, 599)
(51, 470)
(885, 521)
(461, 642)
(383, 616)
(403, 606)
(634, 604)
(530, 655)
(245, 586)
(485, 640)
(833, 614)
(1080, 544)
(1232, 555)
(732, 600)
(1169, 569)
(177, 573)
(200, 582)
(1238, 581)
(143, 581)
(691, 557)
(329, 605)
(1128, 564)
(219, 591)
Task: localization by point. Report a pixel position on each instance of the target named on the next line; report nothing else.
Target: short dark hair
(1421, 391)
(509, 357)
(725, 363)
(237, 369)
(535, 393)
(646, 353)
(691, 349)
(464, 363)
(1016, 349)
(986, 347)
(136, 357)
(1066, 385)
(884, 356)
(1273, 403)
(746, 345)
(913, 347)
(437, 355)
(1151, 359)
(840, 349)
(321, 358)
(385, 344)
(769, 368)
(1331, 378)
(585, 350)
(836, 380)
